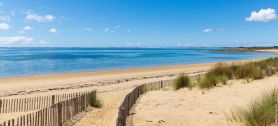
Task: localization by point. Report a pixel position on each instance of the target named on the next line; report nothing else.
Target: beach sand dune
(196, 107)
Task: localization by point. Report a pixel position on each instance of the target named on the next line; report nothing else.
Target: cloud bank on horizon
(166, 24)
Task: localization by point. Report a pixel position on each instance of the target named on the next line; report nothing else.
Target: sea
(30, 61)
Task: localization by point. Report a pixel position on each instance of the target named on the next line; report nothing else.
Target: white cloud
(40, 18)
(208, 30)
(264, 15)
(19, 40)
(106, 29)
(4, 26)
(53, 30)
(4, 18)
(27, 28)
(88, 29)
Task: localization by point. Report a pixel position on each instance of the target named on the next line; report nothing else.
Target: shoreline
(101, 81)
(118, 70)
(17, 85)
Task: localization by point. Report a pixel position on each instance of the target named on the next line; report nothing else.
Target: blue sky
(138, 23)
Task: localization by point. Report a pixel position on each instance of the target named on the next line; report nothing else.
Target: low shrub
(208, 81)
(94, 101)
(181, 81)
(260, 112)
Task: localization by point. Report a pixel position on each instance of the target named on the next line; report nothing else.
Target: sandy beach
(112, 87)
(58, 82)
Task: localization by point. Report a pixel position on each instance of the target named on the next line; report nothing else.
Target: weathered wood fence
(10, 105)
(131, 98)
(54, 115)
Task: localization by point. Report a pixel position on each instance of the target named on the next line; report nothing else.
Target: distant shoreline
(273, 49)
(120, 70)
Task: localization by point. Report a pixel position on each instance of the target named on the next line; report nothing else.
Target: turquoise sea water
(34, 61)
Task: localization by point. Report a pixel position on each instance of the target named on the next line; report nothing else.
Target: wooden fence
(10, 105)
(55, 115)
(131, 98)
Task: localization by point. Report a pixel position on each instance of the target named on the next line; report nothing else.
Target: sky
(138, 23)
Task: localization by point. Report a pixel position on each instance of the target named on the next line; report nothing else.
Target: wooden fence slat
(0, 106)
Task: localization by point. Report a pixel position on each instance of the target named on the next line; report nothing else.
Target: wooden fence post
(0, 105)
(53, 100)
(60, 114)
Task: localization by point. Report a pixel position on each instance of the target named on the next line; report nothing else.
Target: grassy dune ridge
(254, 70)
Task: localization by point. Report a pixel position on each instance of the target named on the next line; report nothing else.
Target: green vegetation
(221, 72)
(181, 81)
(94, 101)
(260, 112)
(208, 81)
(223, 79)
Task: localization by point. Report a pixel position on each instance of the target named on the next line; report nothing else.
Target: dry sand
(196, 107)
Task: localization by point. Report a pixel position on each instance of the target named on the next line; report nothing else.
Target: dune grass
(94, 101)
(260, 112)
(181, 81)
(221, 72)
